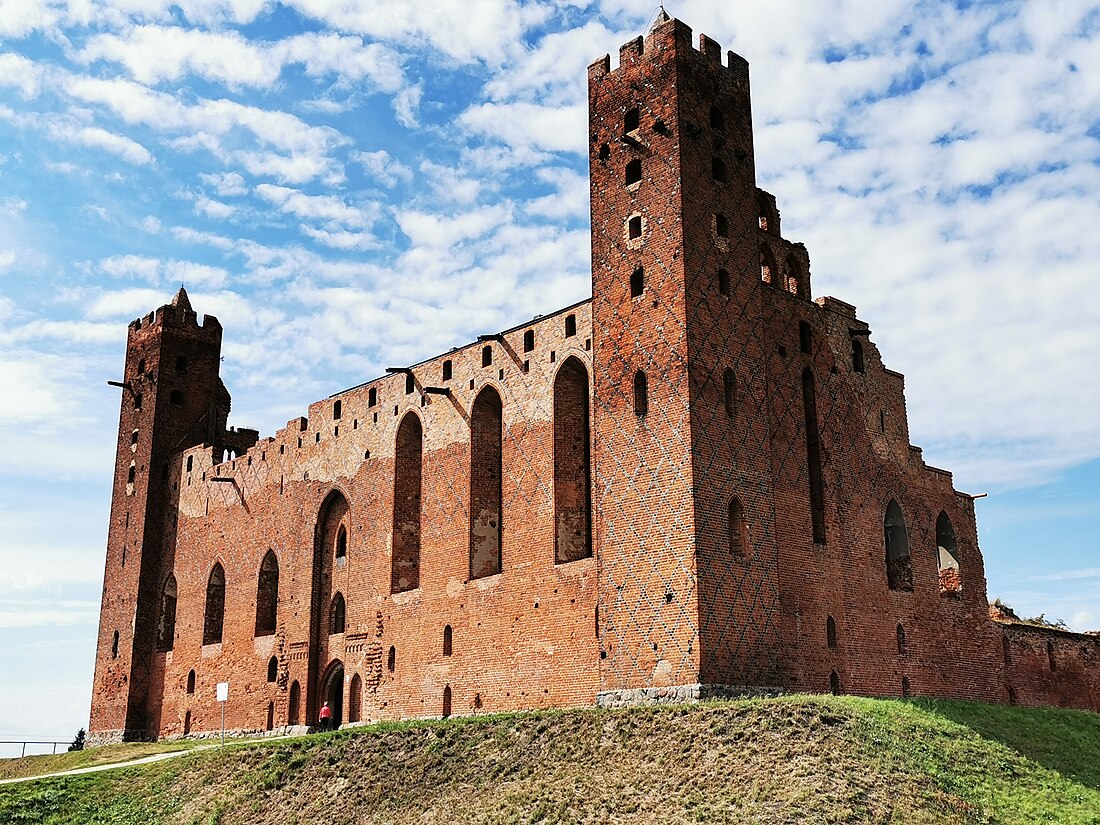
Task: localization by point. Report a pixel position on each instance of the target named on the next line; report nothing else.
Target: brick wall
(683, 487)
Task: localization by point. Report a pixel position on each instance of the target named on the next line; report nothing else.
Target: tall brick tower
(677, 314)
(172, 399)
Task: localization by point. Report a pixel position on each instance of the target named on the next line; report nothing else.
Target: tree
(78, 743)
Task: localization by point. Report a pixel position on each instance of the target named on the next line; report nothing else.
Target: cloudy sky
(348, 184)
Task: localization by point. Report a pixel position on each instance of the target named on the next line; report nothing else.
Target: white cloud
(466, 30)
(327, 209)
(342, 239)
(124, 303)
(154, 54)
(385, 169)
(188, 235)
(406, 103)
(569, 201)
(132, 266)
(213, 209)
(97, 138)
(431, 230)
(298, 151)
(529, 125)
(21, 17)
(553, 72)
(448, 184)
(226, 184)
(19, 72)
(156, 271)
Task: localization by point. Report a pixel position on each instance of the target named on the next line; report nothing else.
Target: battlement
(668, 37)
(178, 315)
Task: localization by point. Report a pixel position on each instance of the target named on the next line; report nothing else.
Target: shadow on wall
(1062, 732)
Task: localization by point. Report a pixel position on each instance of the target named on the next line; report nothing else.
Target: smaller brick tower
(172, 399)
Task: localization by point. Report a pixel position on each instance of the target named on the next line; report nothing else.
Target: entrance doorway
(332, 691)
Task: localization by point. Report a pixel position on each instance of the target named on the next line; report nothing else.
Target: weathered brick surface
(545, 516)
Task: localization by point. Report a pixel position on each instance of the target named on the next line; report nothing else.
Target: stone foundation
(678, 694)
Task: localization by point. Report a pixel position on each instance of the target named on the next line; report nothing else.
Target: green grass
(790, 760)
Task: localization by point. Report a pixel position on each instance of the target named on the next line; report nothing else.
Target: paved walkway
(145, 760)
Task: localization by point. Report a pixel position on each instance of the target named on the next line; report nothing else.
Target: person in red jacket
(325, 716)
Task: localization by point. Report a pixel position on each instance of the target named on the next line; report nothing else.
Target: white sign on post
(223, 697)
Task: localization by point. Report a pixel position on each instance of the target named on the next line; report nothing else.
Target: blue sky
(350, 184)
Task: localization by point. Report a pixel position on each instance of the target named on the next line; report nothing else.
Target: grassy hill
(790, 760)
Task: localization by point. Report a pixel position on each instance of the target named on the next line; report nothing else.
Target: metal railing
(24, 743)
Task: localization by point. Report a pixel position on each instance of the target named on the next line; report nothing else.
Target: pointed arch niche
(408, 463)
(267, 595)
(572, 464)
(486, 443)
(948, 549)
(166, 631)
(899, 570)
(214, 616)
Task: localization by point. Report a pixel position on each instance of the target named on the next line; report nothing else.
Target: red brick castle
(697, 483)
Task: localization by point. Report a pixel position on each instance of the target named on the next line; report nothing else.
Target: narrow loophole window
(337, 410)
(633, 172)
(448, 370)
(410, 383)
(632, 119)
(570, 326)
(723, 282)
(529, 340)
(717, 118)
(176, 398)
(637, 282)
(486, 356)
(641, 393)
(391, 659)
(738, 528)
(634, 227)
(729, 386)
(718, 169)
(372, 397)
(857, 356)
(805, 337)
(448, 640)
(337, 615)
(830, 632)
(721, 226)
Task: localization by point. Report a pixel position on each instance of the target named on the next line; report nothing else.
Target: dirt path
(145, 760)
